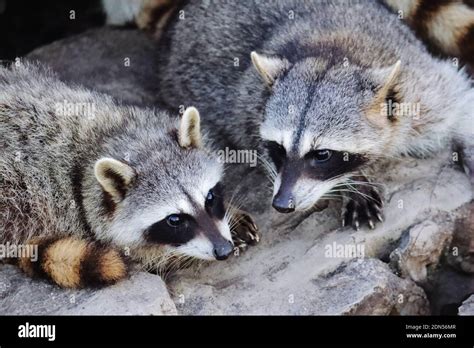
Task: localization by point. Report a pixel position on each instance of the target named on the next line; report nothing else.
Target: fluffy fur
(93, 189)
(319, 79)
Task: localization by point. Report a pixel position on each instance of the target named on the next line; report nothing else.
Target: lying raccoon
(90, 182)
(334, 75)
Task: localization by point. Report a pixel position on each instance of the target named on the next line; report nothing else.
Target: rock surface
(467, 307)
(420, 248)
(305, 264)
(142, 294)
(298, 253)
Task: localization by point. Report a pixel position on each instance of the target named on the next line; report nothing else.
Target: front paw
(244, 231)
(362, 205)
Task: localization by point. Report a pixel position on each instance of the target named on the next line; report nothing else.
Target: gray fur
(328, 100)
(47, 182)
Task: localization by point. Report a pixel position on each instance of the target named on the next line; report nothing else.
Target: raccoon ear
(189, 133)
(387, 79)
(269, 67)
(114, 176)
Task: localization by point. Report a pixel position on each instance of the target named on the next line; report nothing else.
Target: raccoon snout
(223, 250)
(284, 203)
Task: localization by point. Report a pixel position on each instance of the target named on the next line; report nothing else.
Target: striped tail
(446, 26)
(155, 15)
(75, 263)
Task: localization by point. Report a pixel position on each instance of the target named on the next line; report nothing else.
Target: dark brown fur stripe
(469, 3)
(43, 246)
(466, 44)
(119, 181)
(35, 268)
(77, 175)
(426, 11)
(92, 273)
(158, 11)
(108, 204)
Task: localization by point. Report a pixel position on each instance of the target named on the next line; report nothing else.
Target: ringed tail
(75, 263)
(447, 26)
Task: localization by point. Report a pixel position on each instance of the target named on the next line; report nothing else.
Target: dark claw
(364, 208)
(245, 232)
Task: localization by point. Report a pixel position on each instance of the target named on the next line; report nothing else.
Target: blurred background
(26, 24)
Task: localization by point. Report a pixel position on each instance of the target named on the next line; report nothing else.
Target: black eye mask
(326, 164)
(321, 164)
(178, 229)
(276, 152)
(175, 229)
(215, 202)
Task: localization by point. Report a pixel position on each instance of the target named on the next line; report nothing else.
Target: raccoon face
(322, 124)
(171, 197)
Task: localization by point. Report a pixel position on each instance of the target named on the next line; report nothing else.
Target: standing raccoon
(344, 88)
(84, 179)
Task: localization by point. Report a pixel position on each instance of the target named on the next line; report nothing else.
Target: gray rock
(359, 287)
(467, 308)
(461, 252)
(421, 247)
(298, 253)
(142, 294)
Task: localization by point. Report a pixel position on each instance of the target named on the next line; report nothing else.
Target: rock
(467, 307)
(368, 287)
(420, 247)
(461, 251)
(447, 289)
(360, 287)
(292, 257)
(142, 294)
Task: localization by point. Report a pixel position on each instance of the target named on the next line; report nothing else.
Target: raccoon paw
(244, 232)
(364, 206)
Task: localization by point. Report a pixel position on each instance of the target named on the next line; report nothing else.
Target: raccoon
(96, 186)
(314, 85)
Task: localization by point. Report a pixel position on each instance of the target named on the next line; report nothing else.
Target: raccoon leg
(75, 263)
(362, 203)
(244, 231)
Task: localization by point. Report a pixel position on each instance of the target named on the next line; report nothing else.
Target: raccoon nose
(223, 250)
(283, 203)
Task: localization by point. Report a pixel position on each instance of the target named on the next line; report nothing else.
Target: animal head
(165, 192)
(322, 122)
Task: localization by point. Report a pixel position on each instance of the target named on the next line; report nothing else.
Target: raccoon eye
(174, 220)
(320, 156)
(209, 198)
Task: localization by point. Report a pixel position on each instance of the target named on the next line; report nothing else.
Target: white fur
(189, 134)
(280, 136)
(268, 67)
(308, 191)
(199, 247)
